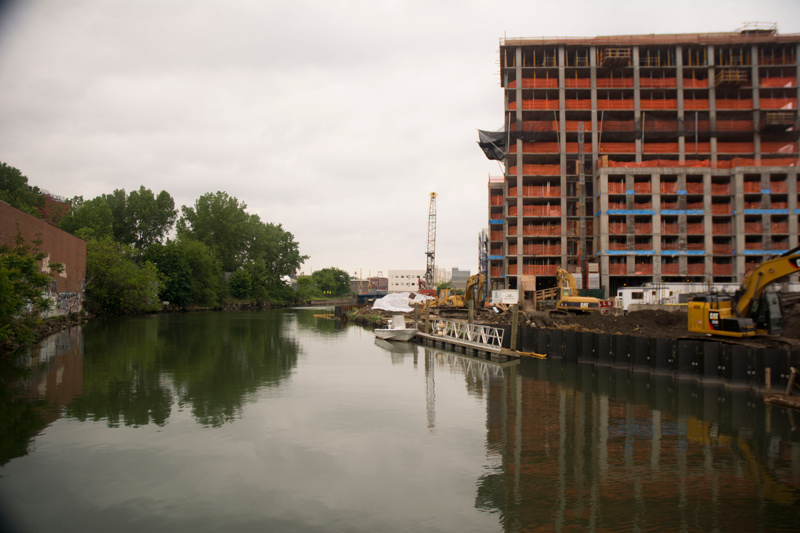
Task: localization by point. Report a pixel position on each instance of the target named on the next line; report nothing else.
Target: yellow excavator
(751, 310)
(473, 292)
(568, 299)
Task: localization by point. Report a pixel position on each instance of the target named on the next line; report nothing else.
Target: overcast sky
(336, 119)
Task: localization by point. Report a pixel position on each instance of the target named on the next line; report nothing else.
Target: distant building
(66, 288)
(405, 280)
(459, 278)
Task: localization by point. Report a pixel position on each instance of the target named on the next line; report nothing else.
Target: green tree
(221, 222)
(140, 218)
(306, 289)
(239, 238)
(332, 282)
(190, 272)
(240, 284)
(116, 284)
(279, 250)
(91, 219)
(15, 191)
(22, 285)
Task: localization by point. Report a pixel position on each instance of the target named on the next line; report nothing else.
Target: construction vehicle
(473, 292)
(751, 310)
(568, 299)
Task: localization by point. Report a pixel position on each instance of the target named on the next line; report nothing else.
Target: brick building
(66, 289)
(645, 158)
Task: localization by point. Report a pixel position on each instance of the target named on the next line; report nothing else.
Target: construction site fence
(537, 191)
(688, 126)
(698, 163)
(660, 104)
(644, 82)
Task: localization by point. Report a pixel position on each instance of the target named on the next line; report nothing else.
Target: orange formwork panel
(752, 226)
(722, 269)
(779, 147)
(542, 190)
(617, 269)
(696, 147)
(721, 228)
(785, 81)
(695, 269)
(657, 83)
(577, 83)
(618, 125)
(660, 148)
(611, 105)
(662, 103)
(540, 125)
(695, 104)
(614, 83)
(577, 104)
(778, 103)
(778, 203)
(735, 147)
(617, 148)
(537, 170)
(781, 226)
(734, 125)
(779, 186)
(721, 249)
(730, 103)
(669, 269)
(692, 83)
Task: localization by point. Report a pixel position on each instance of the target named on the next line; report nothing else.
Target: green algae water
(282, 421)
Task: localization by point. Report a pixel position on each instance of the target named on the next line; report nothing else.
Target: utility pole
(431, 251)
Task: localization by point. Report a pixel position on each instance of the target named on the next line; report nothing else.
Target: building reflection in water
(38, 383)
(588, 447)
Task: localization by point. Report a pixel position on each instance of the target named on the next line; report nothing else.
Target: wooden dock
(464, 336)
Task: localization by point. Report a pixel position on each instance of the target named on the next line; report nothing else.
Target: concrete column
(793, 206)
(520, 172)
(655, 201)
(737, 183)
(712, 102)
(637, 110)
(562, 146)
(602, 227)
(679, 82)
(754, 76)
(593, 78)
(708, 234)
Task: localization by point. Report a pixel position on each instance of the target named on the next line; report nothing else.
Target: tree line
(142, 251)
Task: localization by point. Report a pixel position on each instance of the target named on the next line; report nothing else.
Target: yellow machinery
(473, 292)
(568, 299)
(751, 310)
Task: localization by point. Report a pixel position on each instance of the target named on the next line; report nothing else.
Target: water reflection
(34, 385)
(589, 448)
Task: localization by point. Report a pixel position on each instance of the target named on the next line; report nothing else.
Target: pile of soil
(646, 323)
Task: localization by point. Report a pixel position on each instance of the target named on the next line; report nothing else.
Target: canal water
(285, 421)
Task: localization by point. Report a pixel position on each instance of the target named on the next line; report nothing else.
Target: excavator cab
(768, 314)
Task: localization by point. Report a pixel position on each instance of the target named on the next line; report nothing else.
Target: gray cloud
(335, 119)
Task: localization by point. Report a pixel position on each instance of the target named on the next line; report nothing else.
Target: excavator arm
(756, 281)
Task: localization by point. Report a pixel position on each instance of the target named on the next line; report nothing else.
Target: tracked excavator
(751, 310)
(568, 299)
(473, 292)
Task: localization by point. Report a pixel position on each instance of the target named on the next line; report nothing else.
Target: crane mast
(431, 251)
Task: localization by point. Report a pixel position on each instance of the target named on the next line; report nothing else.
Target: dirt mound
(646, 323)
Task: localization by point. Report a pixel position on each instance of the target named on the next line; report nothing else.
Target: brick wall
(60, 247)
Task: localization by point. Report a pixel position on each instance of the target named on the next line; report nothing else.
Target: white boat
(397, 330)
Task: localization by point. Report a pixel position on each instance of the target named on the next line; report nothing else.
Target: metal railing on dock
(477, 336)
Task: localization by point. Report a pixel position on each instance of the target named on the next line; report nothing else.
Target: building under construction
(645, 158)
